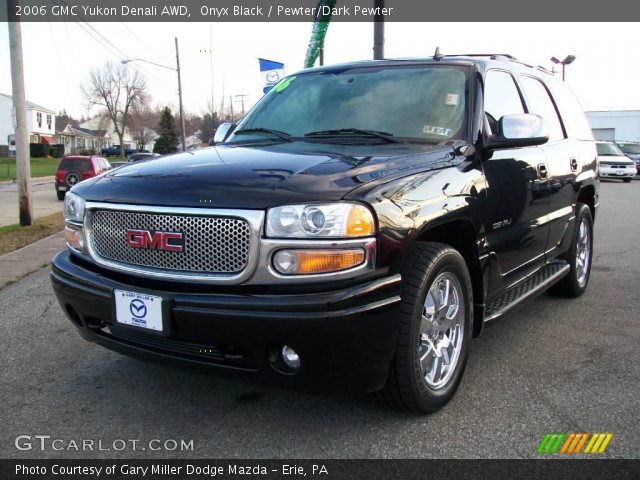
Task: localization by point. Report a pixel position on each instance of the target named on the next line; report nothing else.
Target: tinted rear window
(79, 164)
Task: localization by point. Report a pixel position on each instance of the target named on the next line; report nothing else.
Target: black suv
(352, 234)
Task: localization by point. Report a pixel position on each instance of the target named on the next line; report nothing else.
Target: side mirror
(222, 133)
(521, 130)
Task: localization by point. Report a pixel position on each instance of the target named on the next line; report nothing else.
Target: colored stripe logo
(573, 443)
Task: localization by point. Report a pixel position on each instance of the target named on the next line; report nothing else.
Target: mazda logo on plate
(137, 308)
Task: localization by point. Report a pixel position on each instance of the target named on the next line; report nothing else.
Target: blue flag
(272, 72)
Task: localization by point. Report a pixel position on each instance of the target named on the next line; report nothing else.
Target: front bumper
(345, 337)
(622, 171)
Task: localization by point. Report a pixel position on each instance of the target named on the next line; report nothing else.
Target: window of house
(39, 119)
(49, 120)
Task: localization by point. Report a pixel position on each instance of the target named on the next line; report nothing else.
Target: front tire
(626, 180)
(579, 256)
(435, 328)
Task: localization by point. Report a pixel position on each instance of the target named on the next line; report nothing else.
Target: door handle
(574, 165)
(542, 171)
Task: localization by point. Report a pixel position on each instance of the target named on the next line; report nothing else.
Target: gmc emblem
(172, 241)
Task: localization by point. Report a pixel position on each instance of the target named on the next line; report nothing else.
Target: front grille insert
(212, 244)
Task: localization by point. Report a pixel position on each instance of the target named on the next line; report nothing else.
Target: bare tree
(118, 91)
(143, 122)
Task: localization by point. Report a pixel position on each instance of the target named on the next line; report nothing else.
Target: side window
(501, 97)
(540, 103)
(575, 121)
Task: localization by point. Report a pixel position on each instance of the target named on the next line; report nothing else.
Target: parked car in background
(114, 151)
(631, 150)
(136, 157)
(613, 163)
(75, 168)
(118, 164)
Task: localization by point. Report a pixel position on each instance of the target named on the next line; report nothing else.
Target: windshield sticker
(452, 99)
(445, 132)
(283, 84)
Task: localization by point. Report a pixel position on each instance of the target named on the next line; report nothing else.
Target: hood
(259, 177)
(617, 159)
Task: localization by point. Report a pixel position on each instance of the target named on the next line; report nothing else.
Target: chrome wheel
(583, 252)
(441, 330)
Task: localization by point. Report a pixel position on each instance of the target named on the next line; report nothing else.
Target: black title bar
(307, 10)
(317, 469)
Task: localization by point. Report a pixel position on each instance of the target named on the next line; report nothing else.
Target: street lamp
(568, 60)
(177, 69)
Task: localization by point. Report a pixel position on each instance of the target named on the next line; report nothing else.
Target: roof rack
(492, 56)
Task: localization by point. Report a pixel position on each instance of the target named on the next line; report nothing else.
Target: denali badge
(173, 241)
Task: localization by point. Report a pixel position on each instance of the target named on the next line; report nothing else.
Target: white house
(41, 123)
(615, 125)
(192, 141)
(104, 123)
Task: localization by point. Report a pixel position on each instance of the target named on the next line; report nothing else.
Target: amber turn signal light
(308, 262)
(360, 222)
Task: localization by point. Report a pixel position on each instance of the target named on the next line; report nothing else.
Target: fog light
(301, 262)
(290, 358)
(74, 238)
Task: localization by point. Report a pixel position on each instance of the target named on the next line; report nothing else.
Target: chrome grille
(213, 244)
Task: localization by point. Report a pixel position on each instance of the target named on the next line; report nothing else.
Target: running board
(532, 285)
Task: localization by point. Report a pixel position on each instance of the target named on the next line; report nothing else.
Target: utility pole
(213, 113)
(378, 31)
(231, 106)
(23, 168)
(184, 139)
(242, 100)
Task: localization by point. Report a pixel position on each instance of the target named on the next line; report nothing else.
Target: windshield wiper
(355, 131)
(277, 133)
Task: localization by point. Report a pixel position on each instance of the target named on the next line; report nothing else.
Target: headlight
(73, 217)
(73, 208)
(332, 220)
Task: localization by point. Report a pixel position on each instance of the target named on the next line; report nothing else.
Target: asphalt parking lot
(555, 365)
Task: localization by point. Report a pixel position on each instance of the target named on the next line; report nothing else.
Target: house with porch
(77, 139)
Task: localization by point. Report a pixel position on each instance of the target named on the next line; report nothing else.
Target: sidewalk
(43, 199)
(29, 259)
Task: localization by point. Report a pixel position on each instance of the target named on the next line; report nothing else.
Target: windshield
(414, 103)
(609, 150)
(632, 148)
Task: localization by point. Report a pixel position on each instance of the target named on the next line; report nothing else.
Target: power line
(115, 50)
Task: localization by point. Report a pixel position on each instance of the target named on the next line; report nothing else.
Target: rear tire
(60, 194)
(579, 256)
(435, 329)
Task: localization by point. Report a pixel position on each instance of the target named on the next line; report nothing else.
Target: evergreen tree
(167, 142)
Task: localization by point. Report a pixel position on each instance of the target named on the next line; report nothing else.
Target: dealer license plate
(139, 310)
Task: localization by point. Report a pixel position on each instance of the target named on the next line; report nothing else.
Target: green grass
(40, 167)
(13, 237)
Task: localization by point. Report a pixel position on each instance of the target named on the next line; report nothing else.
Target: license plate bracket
(141, 311)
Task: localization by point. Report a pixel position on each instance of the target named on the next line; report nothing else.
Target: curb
(34, 180)
(17, 265)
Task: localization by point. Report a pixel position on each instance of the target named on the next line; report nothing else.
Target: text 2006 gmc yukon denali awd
(352, 233)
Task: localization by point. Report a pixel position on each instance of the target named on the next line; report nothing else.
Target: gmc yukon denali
(351, 234)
